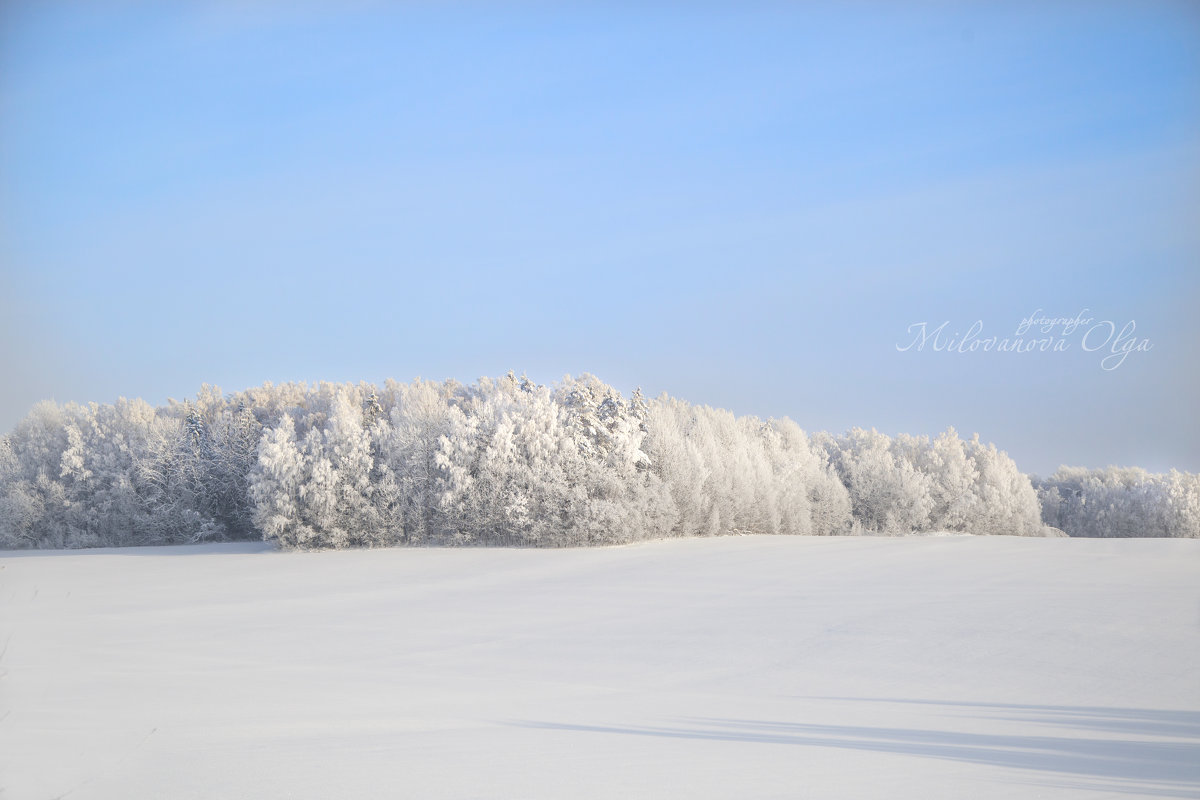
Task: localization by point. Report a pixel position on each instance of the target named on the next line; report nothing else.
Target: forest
(509, 462)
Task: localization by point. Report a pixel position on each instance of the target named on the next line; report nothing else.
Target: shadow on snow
(1148, 767)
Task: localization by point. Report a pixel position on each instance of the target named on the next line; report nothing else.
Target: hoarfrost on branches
(508, 462)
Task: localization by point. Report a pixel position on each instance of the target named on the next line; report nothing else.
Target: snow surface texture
(758, 666)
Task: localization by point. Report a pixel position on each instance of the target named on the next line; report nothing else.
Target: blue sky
(742, 206)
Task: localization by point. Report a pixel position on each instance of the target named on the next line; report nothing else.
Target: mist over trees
(508, 462)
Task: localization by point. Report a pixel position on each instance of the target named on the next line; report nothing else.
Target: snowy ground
(936, 667)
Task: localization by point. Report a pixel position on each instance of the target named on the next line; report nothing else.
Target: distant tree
(1121, 502)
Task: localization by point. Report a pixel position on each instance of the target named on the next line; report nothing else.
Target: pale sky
(743, 207)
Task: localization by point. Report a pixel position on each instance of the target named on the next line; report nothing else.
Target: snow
(923, 667)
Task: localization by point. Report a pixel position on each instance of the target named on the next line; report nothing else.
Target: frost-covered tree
(523, 464)
(220, 448)
(912, 484)
(615, 493)
(504, 459)
(319, 492)
(1121, 502)
(729, 474)
(19, 507)
(411, 480)
(955, 477)
(1182, 502)
(275, 485)
(1005, 500)
(32, 500)
(888, 493)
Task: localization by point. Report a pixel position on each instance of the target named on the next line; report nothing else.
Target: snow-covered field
(743, 667)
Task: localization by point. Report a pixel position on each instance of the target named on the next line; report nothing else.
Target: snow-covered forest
(509, 462)
(1121, 502)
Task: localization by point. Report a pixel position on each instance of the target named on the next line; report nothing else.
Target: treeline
(506, 462)
(1121, 502)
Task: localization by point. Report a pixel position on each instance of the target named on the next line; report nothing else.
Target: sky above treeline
(752, 207)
